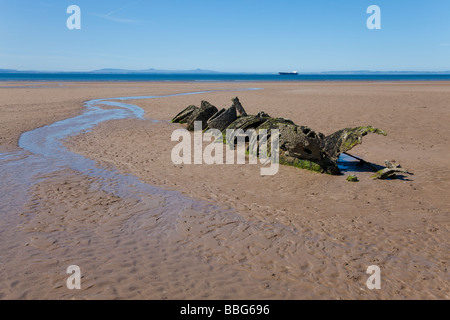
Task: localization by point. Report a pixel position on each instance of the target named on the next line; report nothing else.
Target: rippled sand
(296, 235)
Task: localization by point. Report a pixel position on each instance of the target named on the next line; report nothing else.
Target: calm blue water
(219, 77)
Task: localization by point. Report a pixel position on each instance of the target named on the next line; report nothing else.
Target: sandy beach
(225, 231)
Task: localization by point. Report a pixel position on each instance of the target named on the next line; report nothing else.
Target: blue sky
(231, 36)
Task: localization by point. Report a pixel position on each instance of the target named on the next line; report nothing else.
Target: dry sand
(295, 235)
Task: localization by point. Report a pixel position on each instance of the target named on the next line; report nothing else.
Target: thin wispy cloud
(110, 15)
(115, 19)
(444, 44)
(115, 11)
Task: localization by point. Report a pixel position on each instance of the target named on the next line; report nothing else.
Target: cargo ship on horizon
(292, 73)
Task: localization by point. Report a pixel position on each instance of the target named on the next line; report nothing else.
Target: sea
(219, 77)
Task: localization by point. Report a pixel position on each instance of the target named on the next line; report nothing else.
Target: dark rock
(184, 115)
(299, 142)
(300, 146)
(244, 123)
(239, 108)
(202, 114)
(248, 122)
(262, 114)
(390, 172)
(217, 114)
(222, 119)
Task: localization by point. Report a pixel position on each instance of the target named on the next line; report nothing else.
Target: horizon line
(214, 72)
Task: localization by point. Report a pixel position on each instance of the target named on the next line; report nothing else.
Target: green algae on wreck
(300, 163)
(352, 178)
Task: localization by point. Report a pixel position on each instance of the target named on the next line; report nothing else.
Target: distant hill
(153, 71)
(119, 71)
(8, 71)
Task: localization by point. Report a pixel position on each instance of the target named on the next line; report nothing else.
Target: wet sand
(295, 235)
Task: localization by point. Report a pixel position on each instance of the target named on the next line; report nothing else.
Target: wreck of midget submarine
(299, 146)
